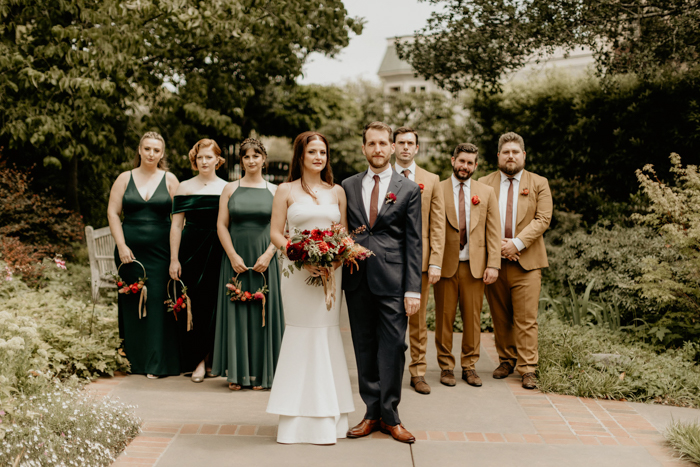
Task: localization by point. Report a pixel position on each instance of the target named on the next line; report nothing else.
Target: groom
(385, 290)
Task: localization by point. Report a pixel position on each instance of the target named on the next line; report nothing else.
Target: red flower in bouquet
(475, 200)
(236, 292)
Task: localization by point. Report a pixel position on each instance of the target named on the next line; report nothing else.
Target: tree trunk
(72, 185)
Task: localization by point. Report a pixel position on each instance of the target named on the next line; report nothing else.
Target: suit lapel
(357, 188)
(419, 176)
(474, 209)
(450, 208)
(522, 200)
(495, 183)
(394, 187)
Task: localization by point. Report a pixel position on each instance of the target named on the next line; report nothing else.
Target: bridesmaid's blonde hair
(162, 163)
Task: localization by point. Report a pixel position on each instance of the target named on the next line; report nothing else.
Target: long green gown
(245, 351)
(150, 343)
(200, 259)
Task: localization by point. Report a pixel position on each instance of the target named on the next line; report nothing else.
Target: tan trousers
(514, 300)
(418, 332)
(468, 291)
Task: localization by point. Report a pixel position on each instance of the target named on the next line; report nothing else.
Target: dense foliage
(475, 43)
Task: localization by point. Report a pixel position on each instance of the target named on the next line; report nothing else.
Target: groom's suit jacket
(395, 239)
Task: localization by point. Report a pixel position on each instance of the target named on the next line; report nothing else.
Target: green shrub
(634, 371)
(685, 438)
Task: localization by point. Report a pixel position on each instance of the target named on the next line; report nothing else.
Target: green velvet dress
(200, 259)
(245, 351)
(150, 342)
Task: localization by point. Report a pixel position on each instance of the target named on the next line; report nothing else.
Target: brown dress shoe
(398, 432)
(529, 381)
(471, 378)
(418, 382)
(447, 377)
(503, 370)
(363, 428)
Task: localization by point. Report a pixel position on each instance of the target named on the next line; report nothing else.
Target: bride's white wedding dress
(311, 389)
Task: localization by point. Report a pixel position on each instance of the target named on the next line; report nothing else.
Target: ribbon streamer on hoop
(144, 290)
(264, 286)
(190, 324)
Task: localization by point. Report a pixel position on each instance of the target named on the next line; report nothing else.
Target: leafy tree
(73, 75)
(474, 43)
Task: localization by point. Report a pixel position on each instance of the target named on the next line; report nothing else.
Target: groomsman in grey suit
(386, 288)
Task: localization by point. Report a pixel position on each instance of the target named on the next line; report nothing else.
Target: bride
(311, 390)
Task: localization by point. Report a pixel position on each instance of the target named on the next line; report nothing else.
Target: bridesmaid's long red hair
(296, 171)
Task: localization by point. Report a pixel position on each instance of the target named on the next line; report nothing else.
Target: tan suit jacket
(533, 218)
(433, 211)
(484, 230)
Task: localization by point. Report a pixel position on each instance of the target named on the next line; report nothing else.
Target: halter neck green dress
(245, 351)
(200, 259)
(150, 342)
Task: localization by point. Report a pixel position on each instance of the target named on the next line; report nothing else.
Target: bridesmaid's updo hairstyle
(205, 143)
(296, 171)
(162, 163)
(255, 145)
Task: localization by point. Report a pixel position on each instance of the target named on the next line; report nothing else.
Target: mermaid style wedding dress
(311, 389)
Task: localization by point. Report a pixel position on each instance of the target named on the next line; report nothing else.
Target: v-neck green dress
(150, 342)
(200, 259)
(245, 351)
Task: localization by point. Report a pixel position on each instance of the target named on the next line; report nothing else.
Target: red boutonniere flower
(525, 192)
(422, 187)
(390, 198)
(475, 200)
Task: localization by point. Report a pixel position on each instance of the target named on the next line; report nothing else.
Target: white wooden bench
(100, 245)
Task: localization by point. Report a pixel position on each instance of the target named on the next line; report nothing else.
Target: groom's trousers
(378, 325)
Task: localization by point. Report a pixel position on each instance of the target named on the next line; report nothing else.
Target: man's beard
(372, 163)
(504, 168)
(459, 177)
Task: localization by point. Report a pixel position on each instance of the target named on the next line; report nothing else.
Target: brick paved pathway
(498, 424)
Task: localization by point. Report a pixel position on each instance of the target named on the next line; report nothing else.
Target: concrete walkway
(499, 424)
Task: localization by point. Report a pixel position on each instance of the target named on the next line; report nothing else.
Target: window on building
(413, 89)
(395, 89)
(422, 89)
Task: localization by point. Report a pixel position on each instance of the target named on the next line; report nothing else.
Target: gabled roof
(391, 64)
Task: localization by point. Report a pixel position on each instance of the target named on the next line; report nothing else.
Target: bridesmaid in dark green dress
(195, 255)
(245, 351)
(143, 195)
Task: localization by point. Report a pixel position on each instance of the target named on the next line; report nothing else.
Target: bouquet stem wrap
(142, 301)
(328, 279)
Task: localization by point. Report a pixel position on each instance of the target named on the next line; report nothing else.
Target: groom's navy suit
(375, 291)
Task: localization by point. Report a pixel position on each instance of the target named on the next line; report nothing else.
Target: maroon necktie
(406, 173)
(462, 218)
(374, 202)
(509, 211)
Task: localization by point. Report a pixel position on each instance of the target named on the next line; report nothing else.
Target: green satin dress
(200, 259)
(150, 342)
(245, 351)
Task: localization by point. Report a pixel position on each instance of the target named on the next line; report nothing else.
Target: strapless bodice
(307, 216)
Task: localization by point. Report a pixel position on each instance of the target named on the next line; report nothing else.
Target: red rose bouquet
(321, 248)
(234, 289)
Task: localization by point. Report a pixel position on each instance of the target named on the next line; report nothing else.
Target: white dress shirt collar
(517, 176)
(456, 182)
(411, 168)
(383, 175)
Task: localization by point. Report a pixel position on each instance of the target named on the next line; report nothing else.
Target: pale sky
(361, 59)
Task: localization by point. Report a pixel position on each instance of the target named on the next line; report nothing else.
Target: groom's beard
(511, 168)
(462, 174)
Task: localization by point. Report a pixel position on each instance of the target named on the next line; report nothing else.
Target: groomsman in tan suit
(525, 205)
(471, 259)
(433, 211)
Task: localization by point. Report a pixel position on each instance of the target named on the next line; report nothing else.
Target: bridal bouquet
(321, 248)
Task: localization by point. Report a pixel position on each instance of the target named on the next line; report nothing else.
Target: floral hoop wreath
(177, 304)
(136, 287)
(234, 289)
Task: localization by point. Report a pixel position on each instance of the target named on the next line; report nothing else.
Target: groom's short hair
(376, 126)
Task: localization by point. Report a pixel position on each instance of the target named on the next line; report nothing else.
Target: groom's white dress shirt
(367, 187)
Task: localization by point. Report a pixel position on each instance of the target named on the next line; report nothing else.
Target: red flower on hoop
(475, 200)
(390, 198)
(525, 192)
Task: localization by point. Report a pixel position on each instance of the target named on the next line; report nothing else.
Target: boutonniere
(390, 198)
(475, 200)
(525, 192)
(422, 187)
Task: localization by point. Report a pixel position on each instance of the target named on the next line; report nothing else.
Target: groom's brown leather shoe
(503, 370)
(447, 377)
(363, 428)
(398, 432)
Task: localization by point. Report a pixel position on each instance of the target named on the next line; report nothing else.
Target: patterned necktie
(509, 212)
(462, 218)
(374, 202)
